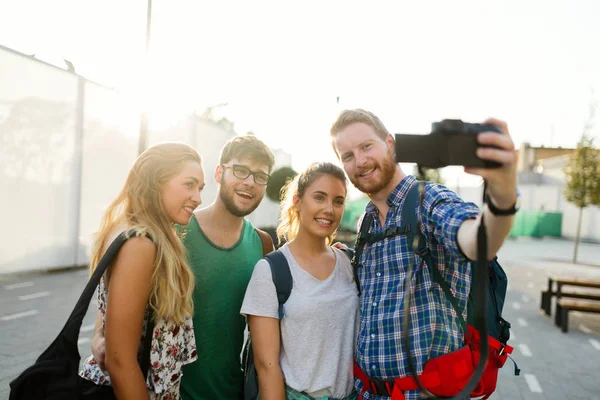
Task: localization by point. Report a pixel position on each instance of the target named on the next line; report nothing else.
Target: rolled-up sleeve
(445, 213)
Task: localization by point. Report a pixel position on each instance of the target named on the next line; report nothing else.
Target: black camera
(451, 142)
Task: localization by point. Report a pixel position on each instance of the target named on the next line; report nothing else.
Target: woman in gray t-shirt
(309, 353)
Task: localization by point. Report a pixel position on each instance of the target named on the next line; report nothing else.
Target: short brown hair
(247, 146)
(349, 117)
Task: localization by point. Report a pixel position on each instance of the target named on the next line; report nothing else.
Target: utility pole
(143, 141)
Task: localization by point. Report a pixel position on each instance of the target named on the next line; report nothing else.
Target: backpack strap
(282, 277)
(361, 241)
(388, 232)
(266, 240)
(348, 252)
(409, 219)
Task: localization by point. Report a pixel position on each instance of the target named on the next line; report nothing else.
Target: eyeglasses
(242, 172)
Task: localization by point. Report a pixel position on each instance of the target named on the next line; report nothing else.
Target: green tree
(279, 178)
(583, 175)
(431, 175)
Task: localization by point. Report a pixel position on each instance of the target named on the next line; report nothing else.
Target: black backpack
(55, 374)
(282, 278)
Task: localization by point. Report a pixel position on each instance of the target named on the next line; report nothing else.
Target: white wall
(590, 222)
(38, 201)
(66, 147)
(110, 147)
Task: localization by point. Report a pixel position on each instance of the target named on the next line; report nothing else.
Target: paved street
(34, 307)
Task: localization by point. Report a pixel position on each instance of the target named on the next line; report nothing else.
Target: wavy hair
(139, 207)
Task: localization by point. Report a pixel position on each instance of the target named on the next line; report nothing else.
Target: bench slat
(578, 295)
(577, 282)
(579, 305)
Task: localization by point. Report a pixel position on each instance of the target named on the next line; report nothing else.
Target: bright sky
(280, 65)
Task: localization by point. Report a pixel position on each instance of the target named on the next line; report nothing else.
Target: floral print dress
(173, 346)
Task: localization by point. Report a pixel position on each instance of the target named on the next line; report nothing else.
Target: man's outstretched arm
(501, 188)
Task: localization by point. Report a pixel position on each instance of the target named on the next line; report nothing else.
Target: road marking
(19, 315)
(512, 334)
(34, 295)
(530, 274)
(83, 340)
(525, 299)
(584, 329)
(530, 285)
(525, 350)
(18, 285)
(533, 383)
(595, 343)
(522, 322)
(87, 328)
(516, 306)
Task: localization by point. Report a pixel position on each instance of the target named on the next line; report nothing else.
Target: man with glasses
(222, 248)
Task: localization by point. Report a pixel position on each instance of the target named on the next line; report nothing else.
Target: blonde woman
(309, 353)
(149, 278)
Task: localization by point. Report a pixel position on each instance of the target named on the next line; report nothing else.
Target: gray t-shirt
(319, 328)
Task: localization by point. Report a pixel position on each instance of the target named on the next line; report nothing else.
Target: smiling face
(180, 195)
(321, 207)
(240, 196)
(367, 158)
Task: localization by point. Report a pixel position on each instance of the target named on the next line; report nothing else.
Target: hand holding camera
(484, 149)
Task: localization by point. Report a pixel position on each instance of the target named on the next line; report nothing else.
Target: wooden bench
(563, 306)
(546, 300)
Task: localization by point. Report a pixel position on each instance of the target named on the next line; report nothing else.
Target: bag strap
(388, 232)
(348, 252)
(266, 240)
(282, 277)
(480, 285)
(147, 346)
(361, 241)
(70, 332)
(408, 214)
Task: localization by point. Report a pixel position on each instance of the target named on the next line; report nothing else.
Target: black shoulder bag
(55, 374)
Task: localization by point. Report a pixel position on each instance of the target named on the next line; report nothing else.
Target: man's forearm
(497, 229)
(98, 327)
(97, 345)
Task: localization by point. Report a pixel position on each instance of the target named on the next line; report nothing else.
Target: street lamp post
(143, 140)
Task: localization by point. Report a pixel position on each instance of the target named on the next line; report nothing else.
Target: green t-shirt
(222, 275)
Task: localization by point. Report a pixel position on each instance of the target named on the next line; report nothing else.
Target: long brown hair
(139, 207)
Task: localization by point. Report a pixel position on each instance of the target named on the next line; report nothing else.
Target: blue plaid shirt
(435, 329)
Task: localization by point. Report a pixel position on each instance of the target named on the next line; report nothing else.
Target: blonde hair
(139, 207)
(358, 115)
(289, 221)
